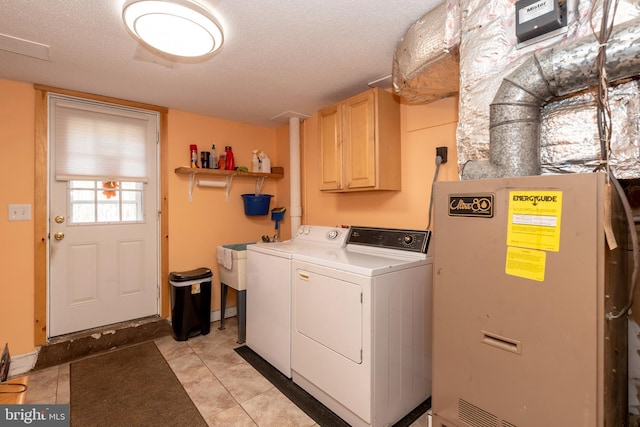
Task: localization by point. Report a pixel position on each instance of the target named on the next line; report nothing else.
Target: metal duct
(426, 61)
(514, 148)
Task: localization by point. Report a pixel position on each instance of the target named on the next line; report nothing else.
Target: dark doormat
(314, 409)
(133, 386)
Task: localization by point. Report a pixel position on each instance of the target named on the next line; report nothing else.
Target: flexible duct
(569, 134)
(514, 148)
(426, 60)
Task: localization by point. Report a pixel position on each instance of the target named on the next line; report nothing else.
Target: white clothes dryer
(361, 324)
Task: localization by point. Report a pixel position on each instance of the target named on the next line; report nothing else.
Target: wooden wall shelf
(185, 170)
(228, 175)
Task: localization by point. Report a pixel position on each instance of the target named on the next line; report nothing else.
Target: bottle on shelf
(255, 162)
(194, 155)
(221, 161)
(205, 157)
(213, 159)
(265, 162)
(229, 161)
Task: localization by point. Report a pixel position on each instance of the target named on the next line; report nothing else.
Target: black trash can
(190, 303)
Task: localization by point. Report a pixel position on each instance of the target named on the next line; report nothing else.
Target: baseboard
(23, 363)
(228, 312)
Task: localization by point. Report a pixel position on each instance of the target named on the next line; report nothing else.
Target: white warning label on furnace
(534, 10)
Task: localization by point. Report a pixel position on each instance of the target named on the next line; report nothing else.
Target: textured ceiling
(279, 56)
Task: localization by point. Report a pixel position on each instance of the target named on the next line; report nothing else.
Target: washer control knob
(307, 230)
(407, 239)
(332, 234)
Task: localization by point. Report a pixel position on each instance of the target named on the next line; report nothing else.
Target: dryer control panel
(390, 238)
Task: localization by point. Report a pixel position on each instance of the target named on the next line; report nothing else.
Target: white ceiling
(278, 56)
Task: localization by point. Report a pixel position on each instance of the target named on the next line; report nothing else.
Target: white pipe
(294, 161)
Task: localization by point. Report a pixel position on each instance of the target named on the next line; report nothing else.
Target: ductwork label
(534, 10)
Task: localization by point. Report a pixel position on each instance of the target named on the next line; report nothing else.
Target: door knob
(59, 235)
(59, 219)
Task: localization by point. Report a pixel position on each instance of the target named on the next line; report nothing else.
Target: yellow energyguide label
(534, 219)
(526, 263)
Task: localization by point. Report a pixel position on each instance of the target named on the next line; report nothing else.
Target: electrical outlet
(442, 152)
(19, 212)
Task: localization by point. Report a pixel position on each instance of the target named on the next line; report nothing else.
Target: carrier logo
(480, 205)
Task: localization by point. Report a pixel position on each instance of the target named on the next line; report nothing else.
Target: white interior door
(103, 247)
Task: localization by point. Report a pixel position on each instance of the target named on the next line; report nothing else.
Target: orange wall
(17, 151)
(423, 128)
(197, 227)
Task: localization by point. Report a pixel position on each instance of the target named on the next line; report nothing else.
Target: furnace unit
(525, 286)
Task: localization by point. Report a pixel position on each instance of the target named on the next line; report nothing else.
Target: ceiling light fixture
(177, 27)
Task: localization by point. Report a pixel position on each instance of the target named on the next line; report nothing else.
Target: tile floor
(224, 387)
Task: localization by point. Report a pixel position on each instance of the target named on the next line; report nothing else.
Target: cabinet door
(330, 148)
(359, 141)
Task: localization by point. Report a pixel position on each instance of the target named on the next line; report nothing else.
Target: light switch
(19, 212)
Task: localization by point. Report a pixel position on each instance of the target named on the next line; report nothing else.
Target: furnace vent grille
(475, 416)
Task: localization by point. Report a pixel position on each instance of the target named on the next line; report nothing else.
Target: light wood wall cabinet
(360, 143)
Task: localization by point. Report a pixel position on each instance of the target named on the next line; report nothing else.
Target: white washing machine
(361, 324)
(269, 291)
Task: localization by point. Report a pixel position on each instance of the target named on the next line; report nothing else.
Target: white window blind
(94, 141)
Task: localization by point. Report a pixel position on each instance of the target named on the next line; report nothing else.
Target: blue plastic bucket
(256, 204)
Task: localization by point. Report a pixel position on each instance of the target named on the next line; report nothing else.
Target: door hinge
(361, 298)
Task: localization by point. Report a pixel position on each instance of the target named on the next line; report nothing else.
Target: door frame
(41, 202)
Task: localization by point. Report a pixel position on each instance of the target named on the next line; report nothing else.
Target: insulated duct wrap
(569, 133)
(488, 54)
(547, 74)
(426, 60)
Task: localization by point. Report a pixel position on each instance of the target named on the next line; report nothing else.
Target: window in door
(105, 202)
